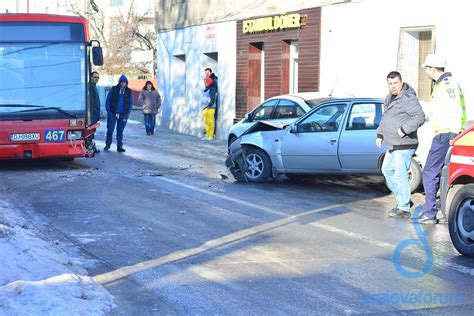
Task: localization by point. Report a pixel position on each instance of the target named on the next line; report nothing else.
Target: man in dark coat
(119, 105)
(398, 131)
(94, 101)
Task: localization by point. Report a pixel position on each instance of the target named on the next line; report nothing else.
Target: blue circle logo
(421, 242)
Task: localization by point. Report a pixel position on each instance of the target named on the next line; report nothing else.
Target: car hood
(262, 126)
(262, 134)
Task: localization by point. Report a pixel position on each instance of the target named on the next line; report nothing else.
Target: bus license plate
(24, 137)
(54, 135)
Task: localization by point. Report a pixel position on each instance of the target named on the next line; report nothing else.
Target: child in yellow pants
(208, 114)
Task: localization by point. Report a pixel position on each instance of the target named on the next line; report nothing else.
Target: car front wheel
(461, 220)
(258, 164)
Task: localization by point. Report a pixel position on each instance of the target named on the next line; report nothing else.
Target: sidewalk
(134, 134)
(169, 149)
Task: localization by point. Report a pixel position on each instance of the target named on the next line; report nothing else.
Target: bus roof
(51, 18)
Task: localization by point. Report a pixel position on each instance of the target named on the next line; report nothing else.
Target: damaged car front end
(251, 156)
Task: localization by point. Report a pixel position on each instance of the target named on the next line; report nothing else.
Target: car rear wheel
(415, 175)
(461, 220)
(258, 164)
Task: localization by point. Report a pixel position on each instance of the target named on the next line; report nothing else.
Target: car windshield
(43, 75)
(313, 102)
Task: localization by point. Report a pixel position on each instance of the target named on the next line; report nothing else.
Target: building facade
(339, 47)
(183, 55)
(277, 54)
(363, 41)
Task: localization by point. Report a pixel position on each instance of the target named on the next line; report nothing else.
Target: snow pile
(38, 277)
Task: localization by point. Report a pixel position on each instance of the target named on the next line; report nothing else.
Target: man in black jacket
(401, 118)
(119, 105)
(94, 102)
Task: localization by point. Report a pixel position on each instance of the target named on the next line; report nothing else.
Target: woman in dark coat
(150, 100)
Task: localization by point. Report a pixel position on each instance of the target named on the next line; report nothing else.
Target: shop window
(178, 69)
(210, 60)
(414, 44)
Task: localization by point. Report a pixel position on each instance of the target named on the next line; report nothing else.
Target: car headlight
(74, 135)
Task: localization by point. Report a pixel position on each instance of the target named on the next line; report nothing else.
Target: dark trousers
(115, 119)
(150, 120)
(432, 170)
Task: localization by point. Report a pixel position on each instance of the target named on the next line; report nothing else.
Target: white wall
(181, 110)
(360, 42)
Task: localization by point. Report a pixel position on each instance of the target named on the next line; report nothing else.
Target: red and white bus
(45, 62)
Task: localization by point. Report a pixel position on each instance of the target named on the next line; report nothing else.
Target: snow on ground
(38, 277)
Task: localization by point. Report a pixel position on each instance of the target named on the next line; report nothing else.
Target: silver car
(283, 109)
(335, 137)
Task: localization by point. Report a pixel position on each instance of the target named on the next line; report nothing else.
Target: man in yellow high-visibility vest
(447, 114)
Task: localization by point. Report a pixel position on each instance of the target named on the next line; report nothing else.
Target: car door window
(364, 116)
(286, 109)
(325, 119)
(264, 111)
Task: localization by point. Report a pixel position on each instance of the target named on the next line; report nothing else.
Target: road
(170, 232)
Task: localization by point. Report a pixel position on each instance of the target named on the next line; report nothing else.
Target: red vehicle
(457, 191)
(44, 86)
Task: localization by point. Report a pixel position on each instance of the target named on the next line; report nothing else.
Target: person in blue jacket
(119, 104)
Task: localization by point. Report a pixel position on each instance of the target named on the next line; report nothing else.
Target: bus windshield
(42, 75)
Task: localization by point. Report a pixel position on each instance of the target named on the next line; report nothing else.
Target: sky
(43, 277)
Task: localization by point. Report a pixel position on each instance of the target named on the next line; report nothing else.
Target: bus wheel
(461, 220)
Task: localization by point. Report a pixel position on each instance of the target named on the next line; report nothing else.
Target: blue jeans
(115, 119)
(150, 120)
(395, 169)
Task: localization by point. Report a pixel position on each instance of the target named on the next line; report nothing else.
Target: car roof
(317, 95)
(378, 100)
(302, 96)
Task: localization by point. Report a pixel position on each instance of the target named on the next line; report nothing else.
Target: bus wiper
(11, 105)
(43, 108)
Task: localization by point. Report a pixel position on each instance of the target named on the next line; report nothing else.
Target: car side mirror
(293, 128)
(247, 117)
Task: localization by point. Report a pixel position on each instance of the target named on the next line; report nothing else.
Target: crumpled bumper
(236, 163)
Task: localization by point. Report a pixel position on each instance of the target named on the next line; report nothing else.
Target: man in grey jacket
(402, 117)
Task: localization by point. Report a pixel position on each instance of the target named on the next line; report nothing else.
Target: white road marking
(248, 233)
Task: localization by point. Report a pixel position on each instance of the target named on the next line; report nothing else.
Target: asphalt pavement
(172, 233)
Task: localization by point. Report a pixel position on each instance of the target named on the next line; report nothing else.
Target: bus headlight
(74, 135)
(76, 122)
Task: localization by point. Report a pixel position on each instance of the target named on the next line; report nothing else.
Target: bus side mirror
(97, 57)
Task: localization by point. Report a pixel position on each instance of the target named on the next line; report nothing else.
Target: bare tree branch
(119, 36)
